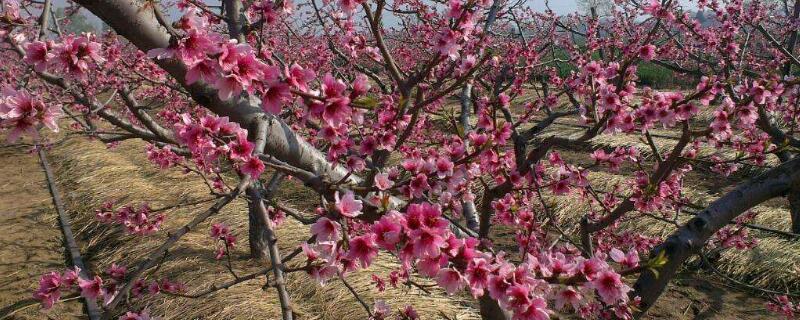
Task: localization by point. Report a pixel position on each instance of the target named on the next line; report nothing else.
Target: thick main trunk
(692, 236)
(134, 20)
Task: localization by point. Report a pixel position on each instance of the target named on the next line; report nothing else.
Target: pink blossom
(560, 187)
(24, 112)
(477, 274)
(229, 86)
(91, 288)
(610, 287)
(37, 54)
(349, 6)
(203, 69)
(653, 7)
(241, 148)
(337, 111)
(629, 260)
(591, 267)
(347, 205)
(141, 315)
(388, 232)
(230, 52)
(332, 87)
(253, 167)
(164, 157)
(49, 290)
(444, 167)
(456, 8)
(196, 45)
(447, 43)
(427, 242)
(430, 266)
(70, 276)
(518, 297)
(782, 305)
(451, 280)
(326, 229)
(299, 77)
(382, 181)
(498, 284)
(323, 274)
(74, 54)
(569, 296)
(360, 85)
(219, 230)
(418, 185)
(425, 216)
(409, 313)
(249, 69)
(536, 310)
(381, 310)
(274, 97)
(363, 249)
(11, 10)
(117, 272)
(647, 52)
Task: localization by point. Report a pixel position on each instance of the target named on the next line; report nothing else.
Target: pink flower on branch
(610, 287)
(252, 166)
(347, 205)
(37, 53)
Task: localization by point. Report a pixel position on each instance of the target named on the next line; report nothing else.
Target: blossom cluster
(53, 285)
(422, 240)
(784, 307)
(72, 55)
(222, 234)
(24, 113)
(141, 221)
(212, 137)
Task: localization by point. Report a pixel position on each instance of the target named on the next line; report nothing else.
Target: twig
(173, 239)
(355, 294)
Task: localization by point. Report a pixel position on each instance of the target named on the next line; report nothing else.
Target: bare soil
(30, 238)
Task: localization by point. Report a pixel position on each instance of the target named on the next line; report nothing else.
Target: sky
(559, 6)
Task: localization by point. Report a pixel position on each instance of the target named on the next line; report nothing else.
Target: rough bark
(468, 207)
(490, 309)
(692, 236)
(258, 237)
(274, 254)
(794, 207)
(141, 28)
(794, 194)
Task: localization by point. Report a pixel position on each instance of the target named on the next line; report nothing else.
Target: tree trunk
(258, 234)
(133, 21)
(469, 210)
(274, 254)
(692, 236)
(794, 194)
(490, 310)
(794, 207)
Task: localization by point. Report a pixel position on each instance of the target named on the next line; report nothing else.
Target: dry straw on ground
(90, 174)
(93, 174)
